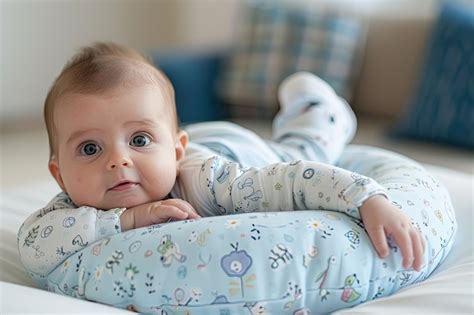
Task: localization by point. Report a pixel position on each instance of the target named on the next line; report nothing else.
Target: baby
(122, 162)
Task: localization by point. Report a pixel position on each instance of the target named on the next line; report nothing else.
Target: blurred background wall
(37, 37)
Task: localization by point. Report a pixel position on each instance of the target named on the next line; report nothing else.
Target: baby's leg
(313, 123)
(233, 142)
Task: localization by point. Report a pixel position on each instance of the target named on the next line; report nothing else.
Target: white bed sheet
(449, 290)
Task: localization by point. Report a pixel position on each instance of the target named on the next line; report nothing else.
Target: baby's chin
(125, 203)
(112, 200)
(113, 204)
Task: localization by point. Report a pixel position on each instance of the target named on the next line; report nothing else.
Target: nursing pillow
(297, 262)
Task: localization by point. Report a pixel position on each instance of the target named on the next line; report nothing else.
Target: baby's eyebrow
(79, 133)
(148, 122)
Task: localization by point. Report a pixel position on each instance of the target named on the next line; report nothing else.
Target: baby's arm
(299, 186)
(57, 231)
(219, 186)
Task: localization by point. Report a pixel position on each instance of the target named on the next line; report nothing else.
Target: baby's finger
(166, 212)
(416, 240)
(402, 238)
(184, 206)
(379, 240)
(193, 215)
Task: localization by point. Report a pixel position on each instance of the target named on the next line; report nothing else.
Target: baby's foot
(304, 91)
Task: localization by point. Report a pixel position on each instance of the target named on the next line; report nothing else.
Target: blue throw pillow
(193, 76)
(443, 107)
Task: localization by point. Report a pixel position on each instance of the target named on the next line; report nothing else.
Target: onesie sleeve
(57, 231)
(221, 186)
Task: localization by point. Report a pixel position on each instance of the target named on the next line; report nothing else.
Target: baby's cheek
(158, 190)
(78, 184)
(83, 191)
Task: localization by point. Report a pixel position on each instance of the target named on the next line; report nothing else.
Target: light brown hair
(99, 68)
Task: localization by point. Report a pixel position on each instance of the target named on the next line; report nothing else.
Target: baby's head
(113, 130)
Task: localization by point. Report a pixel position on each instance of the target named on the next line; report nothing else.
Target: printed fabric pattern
(296, 262)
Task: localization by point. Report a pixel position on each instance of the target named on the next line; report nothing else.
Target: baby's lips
(123, 185)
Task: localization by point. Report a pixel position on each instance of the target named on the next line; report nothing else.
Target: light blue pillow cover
(278, 262)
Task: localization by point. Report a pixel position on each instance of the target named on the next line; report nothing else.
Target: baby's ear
(54, 170)
(181, 144)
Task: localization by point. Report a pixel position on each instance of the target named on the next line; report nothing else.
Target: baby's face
(118, 149)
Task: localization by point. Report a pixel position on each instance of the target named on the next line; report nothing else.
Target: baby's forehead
(133, 95)
(121, 89)
(120, 105)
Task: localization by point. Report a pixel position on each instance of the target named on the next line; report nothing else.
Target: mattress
(448, 290)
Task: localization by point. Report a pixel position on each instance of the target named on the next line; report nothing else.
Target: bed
(448, 290)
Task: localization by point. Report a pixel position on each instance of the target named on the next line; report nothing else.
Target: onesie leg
(233, 142)
(313, 120)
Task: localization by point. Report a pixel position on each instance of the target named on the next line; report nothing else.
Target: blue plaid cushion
(443, 107)
(279, 40)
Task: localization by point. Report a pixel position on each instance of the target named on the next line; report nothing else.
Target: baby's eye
(89, 149)
(140, 140)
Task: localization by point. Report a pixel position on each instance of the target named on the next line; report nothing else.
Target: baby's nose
(119, 161)
(114, 165)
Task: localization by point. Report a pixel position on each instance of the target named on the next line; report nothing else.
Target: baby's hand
(382, 219)
(156, 212)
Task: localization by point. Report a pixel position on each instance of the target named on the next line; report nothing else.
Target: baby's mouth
(123, 185)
